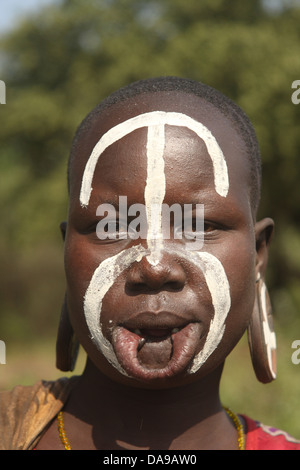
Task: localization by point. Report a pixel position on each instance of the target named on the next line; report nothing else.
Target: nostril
(175, 285)
(144, 277)
(136, 288)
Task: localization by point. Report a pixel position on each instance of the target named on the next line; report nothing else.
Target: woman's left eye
(209, 227)
(194, 228)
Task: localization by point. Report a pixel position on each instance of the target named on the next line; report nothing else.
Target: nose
(144, 277)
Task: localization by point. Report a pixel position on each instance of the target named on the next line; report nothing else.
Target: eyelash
(119, 232)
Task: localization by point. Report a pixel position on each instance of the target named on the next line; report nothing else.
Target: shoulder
(262, 437)
(26, 410)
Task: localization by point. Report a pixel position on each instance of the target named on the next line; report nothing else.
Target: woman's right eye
(111, 230)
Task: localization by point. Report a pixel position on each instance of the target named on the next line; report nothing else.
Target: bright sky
(12, 10)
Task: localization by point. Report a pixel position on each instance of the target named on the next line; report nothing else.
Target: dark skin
(108, 410)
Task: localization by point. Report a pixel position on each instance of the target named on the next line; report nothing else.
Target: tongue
(155, 354)
(158, 358)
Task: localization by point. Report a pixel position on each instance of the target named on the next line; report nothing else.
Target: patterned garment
(262, 437)
(27, 411)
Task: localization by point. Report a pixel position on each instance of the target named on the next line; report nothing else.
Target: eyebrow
(112, 202)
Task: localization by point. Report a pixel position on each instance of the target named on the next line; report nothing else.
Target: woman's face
(151, 306)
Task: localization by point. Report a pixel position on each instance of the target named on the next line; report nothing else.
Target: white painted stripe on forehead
(157, 118)
(155, 190)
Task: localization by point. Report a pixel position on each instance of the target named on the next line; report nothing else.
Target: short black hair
(225, 105)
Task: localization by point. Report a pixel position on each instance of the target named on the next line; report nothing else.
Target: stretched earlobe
(63, 229)
(261, 336)
(264, 230)
(67, 345)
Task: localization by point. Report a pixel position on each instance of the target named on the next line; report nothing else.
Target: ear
(264, 230)
(63, 229)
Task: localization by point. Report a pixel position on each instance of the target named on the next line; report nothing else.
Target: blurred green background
(58, 63)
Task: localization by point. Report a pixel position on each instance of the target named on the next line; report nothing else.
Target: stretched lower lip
(185, 342)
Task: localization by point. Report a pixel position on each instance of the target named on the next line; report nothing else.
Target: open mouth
(153, 351)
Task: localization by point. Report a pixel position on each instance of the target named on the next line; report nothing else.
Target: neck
(142, 418)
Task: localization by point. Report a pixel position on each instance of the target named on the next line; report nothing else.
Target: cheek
(114, 306)
(80, 264)
(241, 277)
(81, 259)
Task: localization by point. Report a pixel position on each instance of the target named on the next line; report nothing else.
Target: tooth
(175, 330)
(141, 344)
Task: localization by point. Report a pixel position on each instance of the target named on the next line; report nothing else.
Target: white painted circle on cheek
(108, 271)
(102, 280)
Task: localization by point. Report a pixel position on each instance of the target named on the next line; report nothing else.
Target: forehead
(190, 106)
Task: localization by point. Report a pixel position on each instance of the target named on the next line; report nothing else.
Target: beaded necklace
(234, 417)
(62, 432)
(239, 428)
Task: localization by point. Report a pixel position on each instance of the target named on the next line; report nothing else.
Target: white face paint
(156, 118)
(108, 271)
(155, 190)
(102, 280)
(269, 335)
